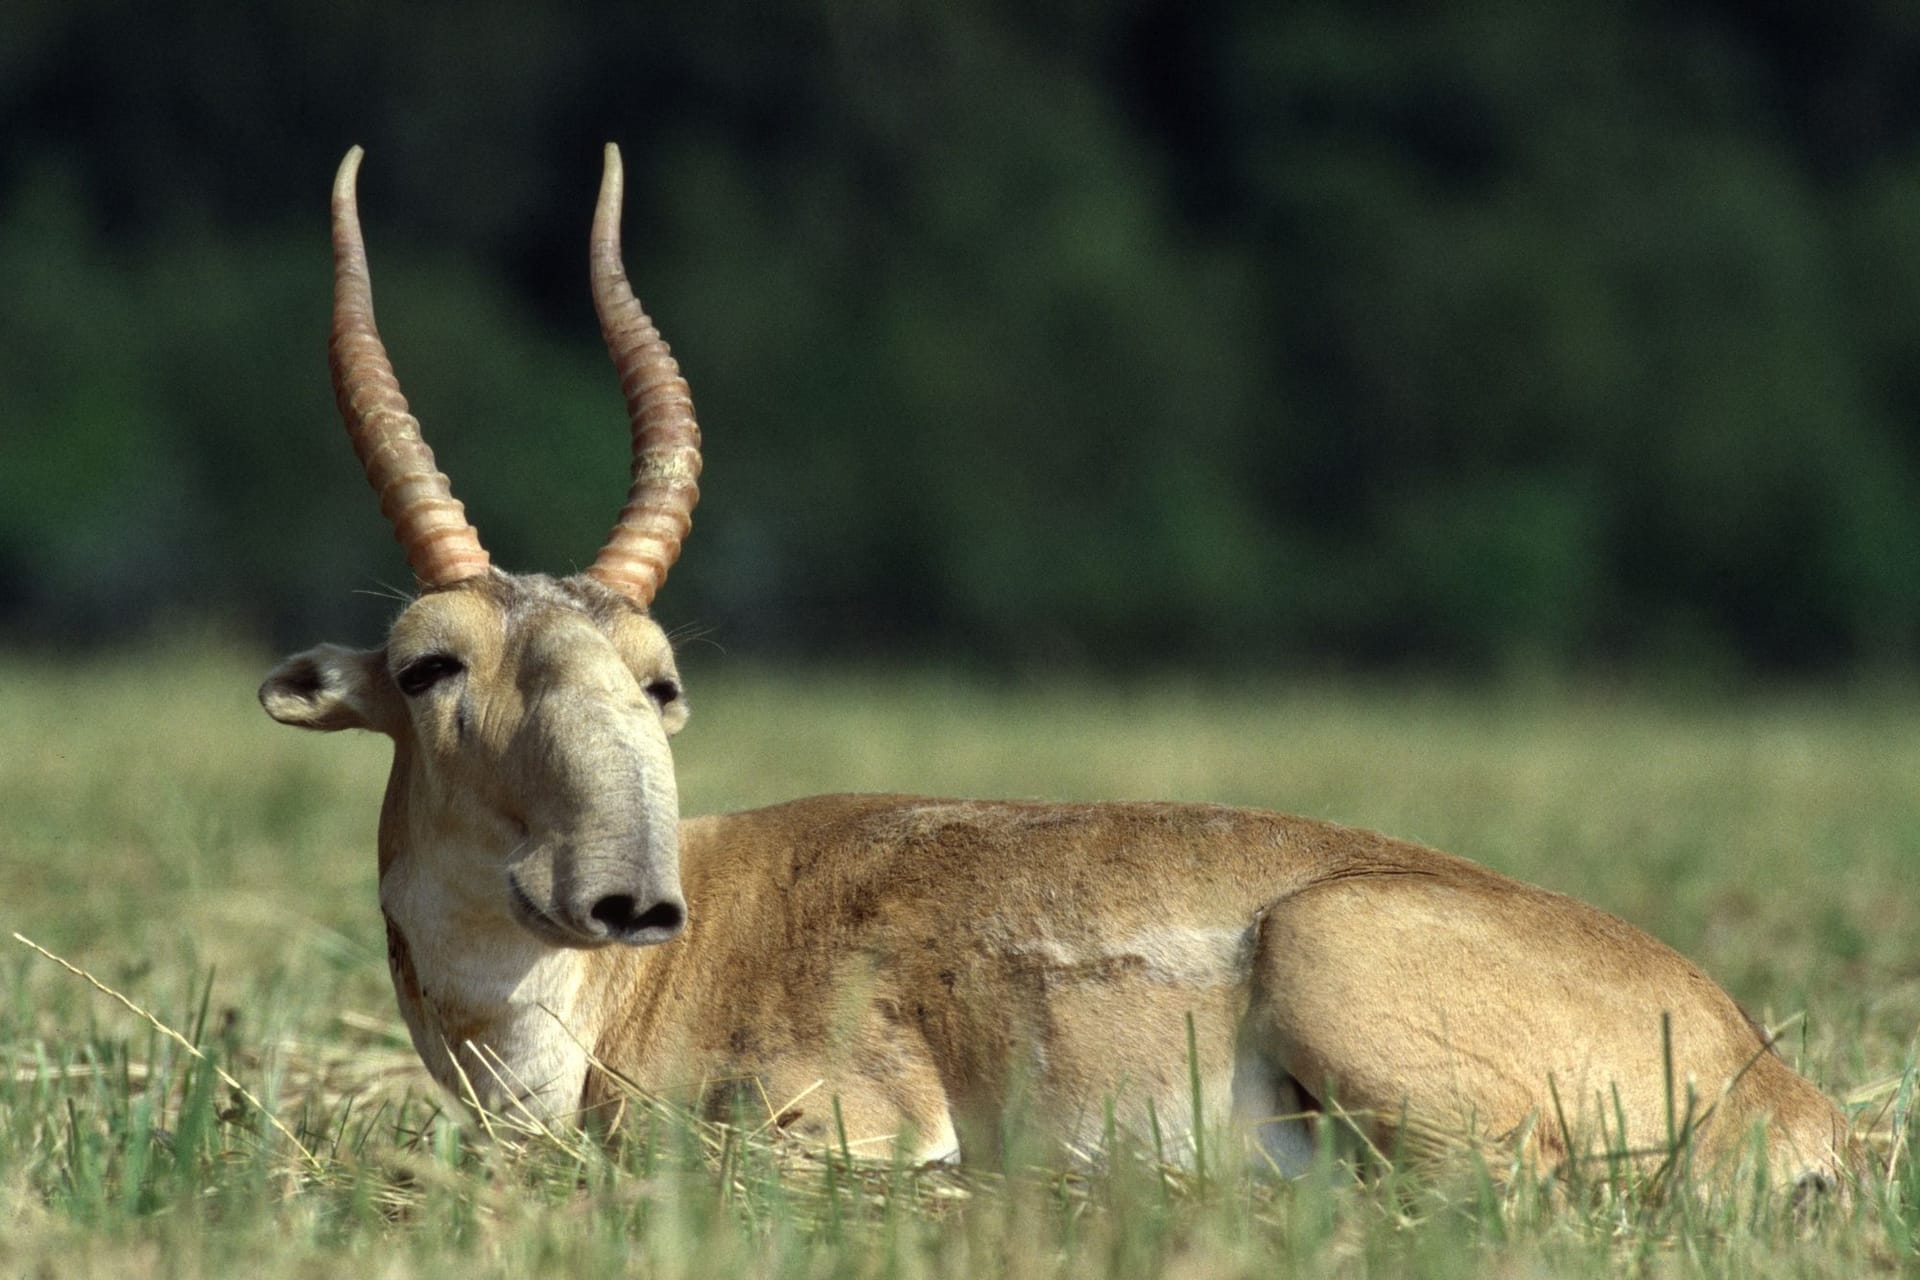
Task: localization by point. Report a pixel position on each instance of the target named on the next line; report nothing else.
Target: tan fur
(932, 963)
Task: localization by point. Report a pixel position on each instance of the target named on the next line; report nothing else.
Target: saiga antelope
(923, 961)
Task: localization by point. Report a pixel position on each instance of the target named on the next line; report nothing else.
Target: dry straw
(167, 1031)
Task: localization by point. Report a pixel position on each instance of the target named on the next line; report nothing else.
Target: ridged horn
(414, 496)
(666, 440)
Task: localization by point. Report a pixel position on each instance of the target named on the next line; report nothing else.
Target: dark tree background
(1536, 334)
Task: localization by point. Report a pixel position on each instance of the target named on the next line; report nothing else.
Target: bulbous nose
(637, 922)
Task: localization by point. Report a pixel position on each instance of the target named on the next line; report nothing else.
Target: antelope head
(532, 790)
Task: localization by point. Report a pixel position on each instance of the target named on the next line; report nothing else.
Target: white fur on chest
(497, 1019)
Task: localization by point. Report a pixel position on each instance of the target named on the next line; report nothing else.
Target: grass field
(218, 869)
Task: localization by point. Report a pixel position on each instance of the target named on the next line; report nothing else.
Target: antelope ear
(333, 687)
(674, 718)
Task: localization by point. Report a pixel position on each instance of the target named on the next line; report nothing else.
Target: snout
(573, 896)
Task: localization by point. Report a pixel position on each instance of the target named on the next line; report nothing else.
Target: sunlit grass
(218, 869)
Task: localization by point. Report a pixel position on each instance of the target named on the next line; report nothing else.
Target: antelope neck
(498, 1016)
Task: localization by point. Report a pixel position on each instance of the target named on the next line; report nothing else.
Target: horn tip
(611, 175)
(343, 179)
(606, 209)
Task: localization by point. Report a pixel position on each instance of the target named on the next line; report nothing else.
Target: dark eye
(426, 671)
(663, 692)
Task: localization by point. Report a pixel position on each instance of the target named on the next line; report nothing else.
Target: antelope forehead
(569, 665)
(462, 622)
(525, 597)
(502, 603)
(573, 624)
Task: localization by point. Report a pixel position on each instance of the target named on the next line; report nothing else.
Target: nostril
(665, 917)
(626, 920)
(616, 911)
(661, 920)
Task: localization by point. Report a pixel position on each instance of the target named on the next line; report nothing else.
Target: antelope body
(936, 965)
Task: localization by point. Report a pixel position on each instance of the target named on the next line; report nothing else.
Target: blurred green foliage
(1517, 335)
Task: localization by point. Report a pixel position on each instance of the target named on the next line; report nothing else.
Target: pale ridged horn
(666, 440)
(430, 524)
